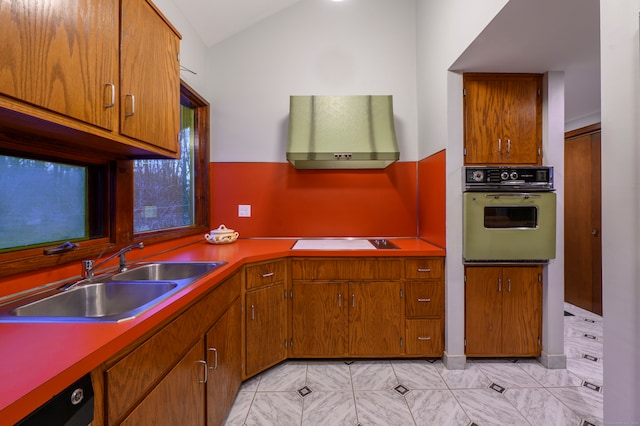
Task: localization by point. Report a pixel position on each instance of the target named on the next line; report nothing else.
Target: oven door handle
(512, 194)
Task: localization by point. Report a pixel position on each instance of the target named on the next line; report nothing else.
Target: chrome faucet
(89, 267)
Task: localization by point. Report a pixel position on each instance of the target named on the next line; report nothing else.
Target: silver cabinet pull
(424, 269)
(340, 300)
(508, 146)
(424, 300)
(353, 300)
(206, 372)
(509, 285)
(132, 103)
(268, 274)
(215, 358)
(499, 284)
(424, 338)
(113, 95)
(253, 312)
(499, 145)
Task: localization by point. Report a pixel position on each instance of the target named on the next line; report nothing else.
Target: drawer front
(262, 274)
(425, 337)
(424, 268)
(424, 299)
(346, 269)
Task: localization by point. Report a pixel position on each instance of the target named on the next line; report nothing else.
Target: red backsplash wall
(287, 202)
(432, 199)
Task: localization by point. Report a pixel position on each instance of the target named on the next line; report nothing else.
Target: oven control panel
(507, 178)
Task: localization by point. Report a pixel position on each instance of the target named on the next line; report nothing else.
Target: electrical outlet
(244, 210)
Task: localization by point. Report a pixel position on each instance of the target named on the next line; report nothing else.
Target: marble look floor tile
(275, 408)
(587, 370)
(488, 407)
(579, 328)
(418, 375)
(584, 402)
(326, 376)
(470, 377)
(251, 385)
(508, 375)
(540, 407)
(576, 347)
(336, 408)
(382, 408)
(549, 377)
(436, 408)
(240, 409)
(372, 375)
(288, 376)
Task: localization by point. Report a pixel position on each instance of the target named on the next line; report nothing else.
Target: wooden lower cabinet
(424, 337)
(179, 373)
(503, 310)
(179, 398)
(266, 327)
(224, 363)
(335, 319)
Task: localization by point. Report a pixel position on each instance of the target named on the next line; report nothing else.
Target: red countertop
(38, 360)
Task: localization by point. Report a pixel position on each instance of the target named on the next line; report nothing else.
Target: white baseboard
(553, 361)
(454, 362)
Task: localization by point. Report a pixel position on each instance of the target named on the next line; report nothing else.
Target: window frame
(116, 199)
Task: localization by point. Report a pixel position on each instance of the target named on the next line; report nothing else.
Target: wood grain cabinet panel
(424, 337)
(503, 310)
(502, 119)
(265, 273)
(62, 56)
(424, 299)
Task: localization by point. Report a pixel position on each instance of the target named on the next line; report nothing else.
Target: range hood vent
(341, 132)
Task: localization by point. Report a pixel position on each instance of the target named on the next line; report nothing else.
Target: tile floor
(421, 392)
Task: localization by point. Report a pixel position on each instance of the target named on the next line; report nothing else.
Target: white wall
(316, 47)
(620, 91)
(193, 52)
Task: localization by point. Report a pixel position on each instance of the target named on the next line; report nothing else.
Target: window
(51, 192)
(164, 189)
(171, 195)
(43, 202)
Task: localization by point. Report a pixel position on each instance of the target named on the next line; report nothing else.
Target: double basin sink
(110, 298)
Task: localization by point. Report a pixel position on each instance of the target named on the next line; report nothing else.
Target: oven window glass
(510, 217)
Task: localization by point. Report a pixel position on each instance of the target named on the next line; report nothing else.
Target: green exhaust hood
(341, 132)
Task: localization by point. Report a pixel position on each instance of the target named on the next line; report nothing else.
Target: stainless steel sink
(167, 271)
(112, 300)
(118, 297)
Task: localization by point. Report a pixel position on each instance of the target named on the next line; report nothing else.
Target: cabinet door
(522, 311)
(483, 111)
(150, 95)
(62, 56)
(266, 328)
(424, 337)
(375, 318)
(521, 130)
(179, 398)
(222, 344)
(483, 311)
(319, 312)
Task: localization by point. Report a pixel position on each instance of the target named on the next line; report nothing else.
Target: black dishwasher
(71, 407)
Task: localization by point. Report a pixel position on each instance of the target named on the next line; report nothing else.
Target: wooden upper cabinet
(62, 56)
(150, 76)
(503, 119)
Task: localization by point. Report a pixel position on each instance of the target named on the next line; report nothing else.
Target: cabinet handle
(499, 284)
(353, 300)
(424, 300)
(424, 338)
(253, 312)
(424, 269)
(499, 145)
(340, 300)
(268, 274)
(509, 285)
(206, 372)
(508, 146)
(113, 95)
(215, 358)
(132, 103)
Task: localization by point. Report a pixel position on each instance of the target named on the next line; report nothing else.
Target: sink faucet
(89, 267)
